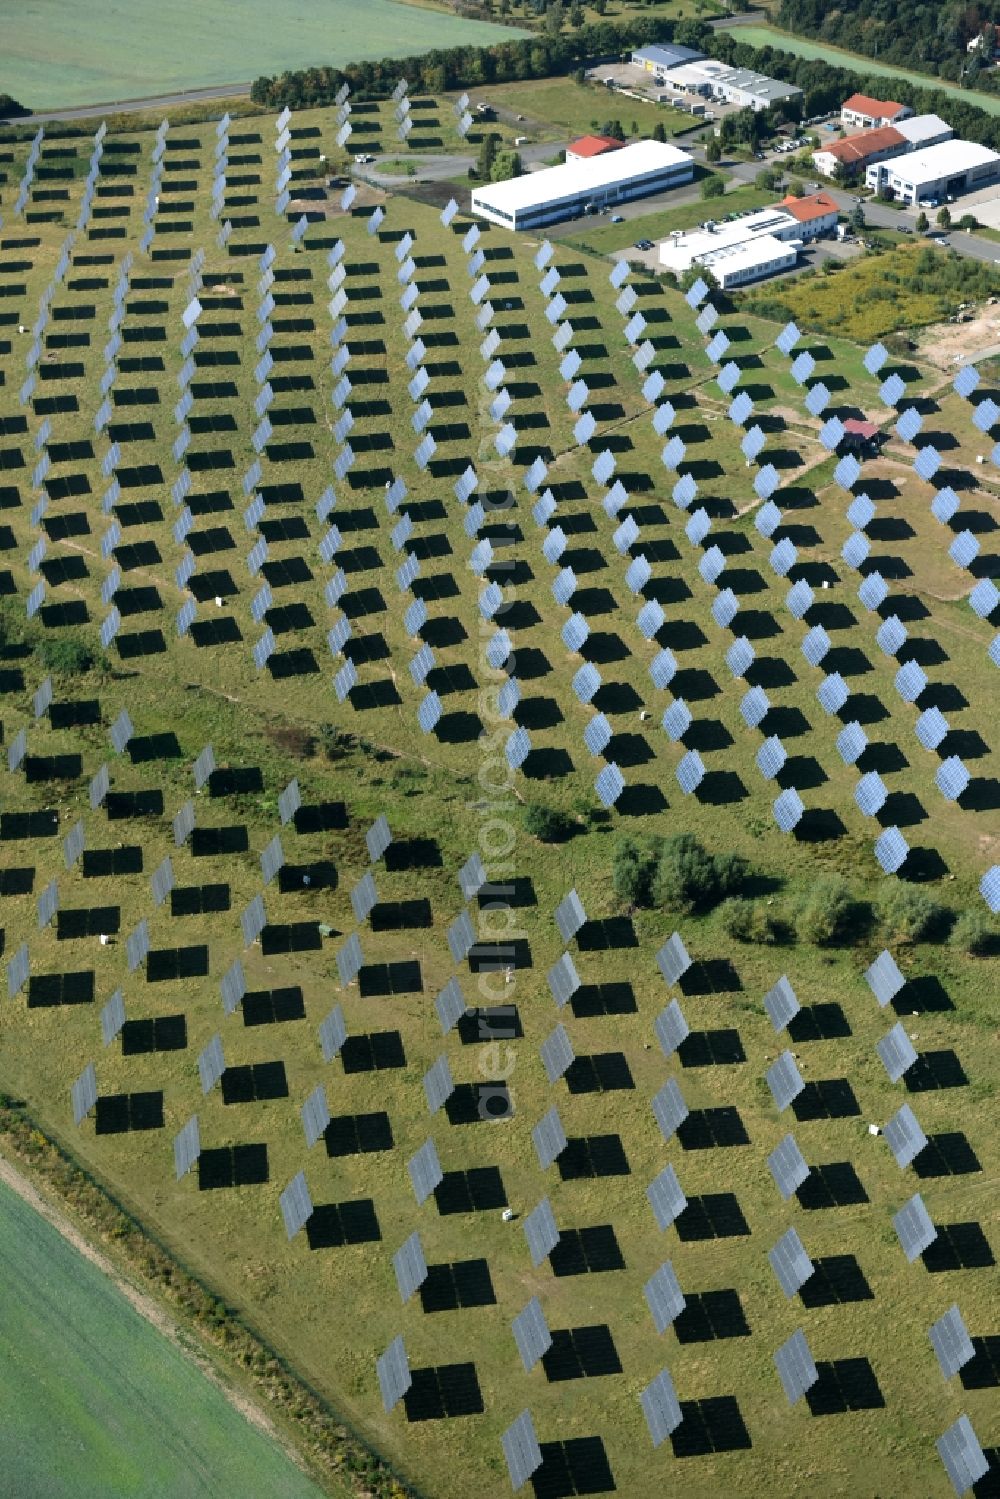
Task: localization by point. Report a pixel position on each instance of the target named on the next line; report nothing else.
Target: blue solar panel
(952, 778)
(787, 338)
(740, 657)
(677, 719)
(517, 748)
(727, 378)
(718, 346)
(684, 491)
(650, 619)
(802, 367)
(783, 557)
(832, 693)
(944, 505)
(609, 785)
(817, 397)
(891, 636)
(966, 381)
(927, 463)
(766, 481)
(696, 293)
(740, 407)
(909, 424)
(832, 433)
(891, 850)
(875, 358)
(870, 794)
(989, 888)
(788, 810)
(698, 527)
(860, 512)
(725, 608)
(984, 598)
(964, 549)
(638, 574)
(847, 472)
(931, 727)
(855, 549)
(771, 757)
(754, 706)
(597, 734)
(575, 632)
(993, 650)
(911, 680)
(673, 453)
(690, 772)
(891, 391)
(663, 669)
(768, 519)
(852, 741)
(752, 443)
(815, 645)
(986, 415)
(586, 682)
(873, 591)
(712, 564)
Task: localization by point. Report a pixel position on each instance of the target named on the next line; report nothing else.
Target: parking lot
(635, 82)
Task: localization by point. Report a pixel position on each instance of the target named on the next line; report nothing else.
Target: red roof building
(862, 112)
(816, 213)
(860, 150)
(859, 432)
(591, 145)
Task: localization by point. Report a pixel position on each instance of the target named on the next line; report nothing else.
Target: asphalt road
(128, 106)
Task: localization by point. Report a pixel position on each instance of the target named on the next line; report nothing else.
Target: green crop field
(771, 36)
(97, 1403)
(134, 511)
(56, 54)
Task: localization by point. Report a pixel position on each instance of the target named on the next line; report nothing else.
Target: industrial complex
(583, 184)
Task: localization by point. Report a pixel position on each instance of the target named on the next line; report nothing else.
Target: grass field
(57, 54)
(97, 1403)
(573, 109)
(771, 36)
(604, 239)
(332, 1307)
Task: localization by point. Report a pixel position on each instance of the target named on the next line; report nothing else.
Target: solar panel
(187, 1147)
(669, 1108)
(966, 381)
(425, 1172)
(952, 778)
(296, 1205)
(450, 1005)
(781, 1004)
(891, 391)
(799, 598)
(650, 619)
(461, 937)
(349, 960)
(891, 850)
(531, 1334)
(84, 1093)
(393, 1372)
(771, 757)
(944, 505)
(832, 693)
(315, 1114)
(113, 1017)
(698, 527)
(673, 453)
(754, 706)
(211, 1064)
(871, 794)
(690, 772)
(518, 748)
(984, 598)
(563, 980)
(663, 669)
(253, 920)
(964, 549)
(787, 1166)
(663, 418)
(666, 1197)
(904, 1136)
(713, 562)
(909, 424)
(638, 574)
(910, 681)
(717, 348)
(989, 888)
(17, 750)
(163, 880)
(364, 897)
(855, 550)
(795, 1367)
(137, 945)
(896, 1053)
(556, 1053)
(410, 1267)
(784, 1080)
(597, 734)
(549, 1139)
(661, 1407)
(520, 1449)
(438, 1084)
(788, 809)
(741, 406)
(963, 1457)
(609, 786)
(790, 1263)
(471, 876)
(914, 1228)
(664, 1297)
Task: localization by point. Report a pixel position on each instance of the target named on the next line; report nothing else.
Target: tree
(831, 915)
(713, 151)
(857, 219)
(553, 18)
(968, 221)
(689, 878)
(506, 166)
(796, 188)
(909, 915)
(768, 178)
(613, 130)
(633, 870)
(923, 223)
(548, 825)
(713, 186)
(972, 934)
(579, 77)
(487, 156)
(576, 16)
(11, 109)
(68, 655)
(659, 131)
(598, 6)
(944, 218)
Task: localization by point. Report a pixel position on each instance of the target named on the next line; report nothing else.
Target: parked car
(617, 218)
(644, 244)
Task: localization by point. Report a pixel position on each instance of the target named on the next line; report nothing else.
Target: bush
(689, 878)
(67, 655)
(548, 825)
(749, 921)
(633, 871)
(973, 934)
(831, 915)
(712, 187)
(10, 109)
(909, 915)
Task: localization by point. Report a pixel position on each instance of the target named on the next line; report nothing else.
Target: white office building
(578, 187)
(737, 265)
(703, 246)
(933, 175)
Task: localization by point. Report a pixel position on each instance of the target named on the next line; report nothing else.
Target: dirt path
(148, 1308)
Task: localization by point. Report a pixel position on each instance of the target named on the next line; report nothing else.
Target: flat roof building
(738, 265)
(749, 90)
(705, 246)
(856, 152)
(564, 191)
(592, 145)
(924, 130)
(660, 58)
(862, 112)
(939, 172)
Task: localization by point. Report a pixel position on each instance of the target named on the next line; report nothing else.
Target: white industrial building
(756, 245)
(749, 90)
(587, 186)
(924, 130)
(937, 173)
(661, 58)
(710, 79)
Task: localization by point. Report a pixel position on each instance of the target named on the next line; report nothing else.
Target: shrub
(909, 915)
(831, 915)
(548, 825)
(973, 934)
(633, 871)
(749, 921)
(712, 187)
(68, 655)
(737, 914)
(689, 878)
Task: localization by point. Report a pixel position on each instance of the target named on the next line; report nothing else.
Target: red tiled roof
(593, 145)
(813, 206)
(878, 109)
(857, 148)
(857, 428)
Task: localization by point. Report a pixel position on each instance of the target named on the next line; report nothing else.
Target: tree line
(544, 55)
(933, 38)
